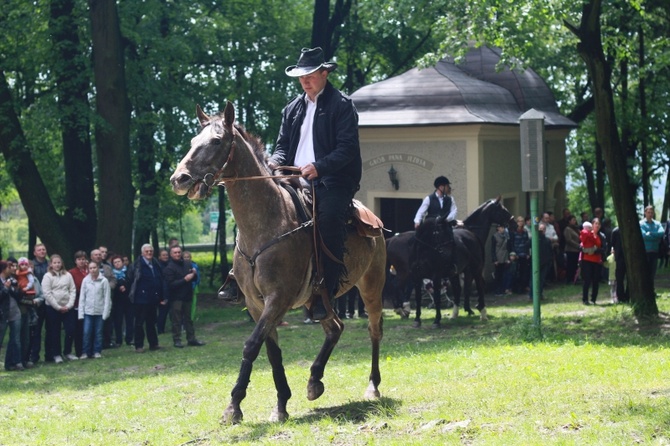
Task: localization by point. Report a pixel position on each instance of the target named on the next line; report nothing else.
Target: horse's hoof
(314, 389)
(372, 393)
(454, 312)
(482, 315)
(402, 313)
(416, 324)
(470, 312)
(278, 416)
(231, 416)
(437, 325)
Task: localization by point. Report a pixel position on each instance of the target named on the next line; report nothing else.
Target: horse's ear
(202, 117)
(498, 199)
(229, 115)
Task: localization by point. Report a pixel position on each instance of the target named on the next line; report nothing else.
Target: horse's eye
(216, 141)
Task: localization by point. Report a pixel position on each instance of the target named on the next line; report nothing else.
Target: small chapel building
(460, 121)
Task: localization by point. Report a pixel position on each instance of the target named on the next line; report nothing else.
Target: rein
(252, 259)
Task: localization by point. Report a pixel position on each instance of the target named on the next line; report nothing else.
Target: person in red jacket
(592, 260)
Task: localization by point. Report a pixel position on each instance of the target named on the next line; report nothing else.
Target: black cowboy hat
(310, 60)
(441, 180)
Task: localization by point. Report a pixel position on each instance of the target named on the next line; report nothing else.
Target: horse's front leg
(417, 298)
(279, 375)
(437, 300)
(333, 328)
(264, 326)
(481, 304)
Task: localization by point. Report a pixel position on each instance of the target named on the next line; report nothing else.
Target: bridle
(211, 180)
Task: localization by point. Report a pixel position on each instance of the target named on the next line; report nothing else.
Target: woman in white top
(59, 294)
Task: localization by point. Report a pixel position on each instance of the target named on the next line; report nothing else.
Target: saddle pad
(366, 222)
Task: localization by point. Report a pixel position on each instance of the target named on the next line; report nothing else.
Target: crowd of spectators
(582, 253)
(103, 302)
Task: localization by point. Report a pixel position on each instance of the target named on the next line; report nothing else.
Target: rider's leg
(332, 210)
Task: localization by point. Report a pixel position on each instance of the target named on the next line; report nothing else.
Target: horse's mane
(255, 142)
(474, 215)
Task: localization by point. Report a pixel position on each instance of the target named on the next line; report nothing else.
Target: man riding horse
(440, 204)
(319, 134)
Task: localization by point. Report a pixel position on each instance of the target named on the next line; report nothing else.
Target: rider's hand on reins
(309, 172)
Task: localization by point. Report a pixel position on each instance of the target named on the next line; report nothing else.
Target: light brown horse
(273, 260)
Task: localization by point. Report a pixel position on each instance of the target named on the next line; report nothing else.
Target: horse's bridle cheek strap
(219, 173)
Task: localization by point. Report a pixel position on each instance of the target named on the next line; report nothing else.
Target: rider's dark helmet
(440, 181)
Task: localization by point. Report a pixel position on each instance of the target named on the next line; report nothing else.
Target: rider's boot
(229, 291)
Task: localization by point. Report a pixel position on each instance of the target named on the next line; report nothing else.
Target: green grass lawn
(595, 376)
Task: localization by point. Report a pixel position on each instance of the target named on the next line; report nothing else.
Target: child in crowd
(119, 269)
(25, 277)
(611, 263)
(95, 305)
(122, 308)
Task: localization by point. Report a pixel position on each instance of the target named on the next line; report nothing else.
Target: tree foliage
(179, 54)
(607, 39)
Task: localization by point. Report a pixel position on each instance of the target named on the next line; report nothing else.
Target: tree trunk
(223, 247)
(116, 194)
(147, 209)
(23, 171)
(647, 193)
(319, 25)
(591, 50)
(73, 87)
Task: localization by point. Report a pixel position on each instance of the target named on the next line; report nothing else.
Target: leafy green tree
(509, 26)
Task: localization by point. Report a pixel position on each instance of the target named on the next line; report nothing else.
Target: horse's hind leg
(481, 304)
(333, 328)
(279, 375)
(437, 300)
(373, 304)
(417, 299)
(455, 281)
(376, 331)
(467, 289)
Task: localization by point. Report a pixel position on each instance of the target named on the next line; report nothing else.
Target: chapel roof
(472, 92)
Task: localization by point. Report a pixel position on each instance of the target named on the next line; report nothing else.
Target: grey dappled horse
(273, 258)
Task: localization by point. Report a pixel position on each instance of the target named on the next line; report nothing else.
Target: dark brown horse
(273, 260)
(415, 256)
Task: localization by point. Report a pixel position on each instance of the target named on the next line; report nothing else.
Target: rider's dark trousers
(332, 211)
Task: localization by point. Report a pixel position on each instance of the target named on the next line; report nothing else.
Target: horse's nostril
(182, 178)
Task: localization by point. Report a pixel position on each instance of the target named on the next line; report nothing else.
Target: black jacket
(179, 289)
(147, 286)
(336, 146)
(5, 295)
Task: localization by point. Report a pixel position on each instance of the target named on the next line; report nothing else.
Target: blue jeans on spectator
(13, 352)
(92, 334)
(25, 337)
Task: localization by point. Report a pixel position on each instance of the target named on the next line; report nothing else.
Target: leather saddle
(366, 223)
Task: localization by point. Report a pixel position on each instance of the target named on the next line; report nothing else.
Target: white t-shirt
(305, 153)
